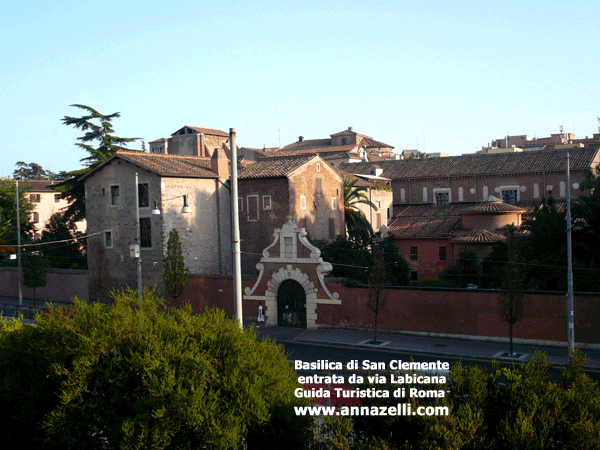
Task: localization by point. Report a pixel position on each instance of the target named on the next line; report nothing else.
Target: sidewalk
(462, 348)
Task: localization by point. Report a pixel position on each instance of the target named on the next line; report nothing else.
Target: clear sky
(434, 75)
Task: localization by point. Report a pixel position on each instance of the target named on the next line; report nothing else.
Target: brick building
(304, 187)
(164, 183)
(512, 177)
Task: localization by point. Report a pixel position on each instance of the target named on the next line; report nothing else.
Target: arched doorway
(291, 304)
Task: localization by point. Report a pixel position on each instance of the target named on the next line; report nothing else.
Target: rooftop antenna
(598, 124)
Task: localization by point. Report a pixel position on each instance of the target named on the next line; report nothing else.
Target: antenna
(279, 131)
(598, 124)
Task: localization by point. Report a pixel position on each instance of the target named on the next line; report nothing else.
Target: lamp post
(570, 307)
(235, 231)
(20, 270)
(138, 238)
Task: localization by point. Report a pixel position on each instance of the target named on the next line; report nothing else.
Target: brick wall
(62, 285)
(448, 311)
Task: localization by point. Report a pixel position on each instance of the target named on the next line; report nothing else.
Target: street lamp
(185, 209)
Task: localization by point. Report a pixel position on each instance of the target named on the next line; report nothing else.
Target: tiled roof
(307, 143)
(480, 237)
(212, 131)
(426, 221)
(494, 206)
(313, 150)
(36, 185)
(496, 164)
(164, 165)
(370, 143)
(275, 167)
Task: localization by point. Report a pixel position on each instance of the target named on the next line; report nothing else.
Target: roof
(163, 165)
(307, 143)
(37, 185)
(477, 164)
(275, 167)
(480, 237)
(371, 143)
(212, 131)
(492, 205)
(426, 221)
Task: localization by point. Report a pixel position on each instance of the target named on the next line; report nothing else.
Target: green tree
(377, 282)
(466, 271)
(65, 249)
(8, 217)
(176, 274)
(512, 295)
(135, 375)
(35, 271)
(100, 143)
(31, 171)
(357, 225)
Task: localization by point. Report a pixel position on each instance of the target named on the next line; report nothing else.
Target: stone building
(304, 187)
(165, 183)
(191, 141)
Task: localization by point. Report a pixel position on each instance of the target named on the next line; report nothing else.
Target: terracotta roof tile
(164, 165)
(310, 143)
(495, 206)
(480, 237)
(212, 131)
(275, 167)
(37, 185)
(474, 164)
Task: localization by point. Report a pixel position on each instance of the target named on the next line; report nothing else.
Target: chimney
(349, 128)
(300, 138)
(219, 163)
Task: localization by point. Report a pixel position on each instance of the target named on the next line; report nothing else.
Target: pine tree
(176, 274)
(98, 128)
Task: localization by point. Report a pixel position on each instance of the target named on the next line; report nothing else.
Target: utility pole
(138, 239)
(235, 232)
(570, 307)
(20, 270)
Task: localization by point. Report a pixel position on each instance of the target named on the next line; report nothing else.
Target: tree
(98, 129)
(136, 375)
(512, 297)
(357, 225)
(31, 171)
(35, 270)
(377, 282)
(65, 250)
(176, 274)
(466, 271)
(8, 216)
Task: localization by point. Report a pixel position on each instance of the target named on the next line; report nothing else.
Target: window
(334, 203)
(509, 196)
(442, 199)
(443, 253)
(378, 221)
(344, 141)
(143, 195)
(266, 199)
(35, 198)
(252, 202)
(318, 167)
(108, 239)
(414, 253)
(240, 204)
(115, 198)
(288, 247)
(302, 202)
(414, 276)
(35, 217)
(331, 228)
(461, 195)
(56, 198)
(318, 186)
(145, 233)
(424, 195)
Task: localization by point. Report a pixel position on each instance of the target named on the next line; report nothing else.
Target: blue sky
(438, 76)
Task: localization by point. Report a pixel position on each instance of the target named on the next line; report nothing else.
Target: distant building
(191, 141)
(45, 201)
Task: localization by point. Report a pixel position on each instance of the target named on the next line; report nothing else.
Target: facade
(347, 146)
(304, 187)
(513, 177)
(430, 238)
(164, 183)
(191, 141)
(45, 201)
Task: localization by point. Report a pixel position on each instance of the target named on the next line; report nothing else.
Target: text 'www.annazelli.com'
(402, 409)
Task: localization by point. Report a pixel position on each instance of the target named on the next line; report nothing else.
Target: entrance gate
(291, 304)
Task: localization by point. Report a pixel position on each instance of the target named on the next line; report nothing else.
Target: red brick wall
(446, 311)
